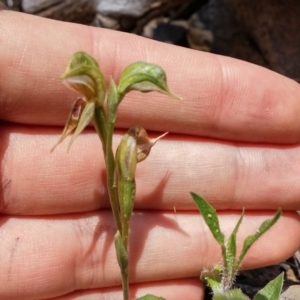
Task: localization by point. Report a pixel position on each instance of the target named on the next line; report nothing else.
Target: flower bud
(126, 157)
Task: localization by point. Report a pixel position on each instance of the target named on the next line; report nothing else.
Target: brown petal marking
(144, 144)
(72, 120)
(82, 84)
(86, 116)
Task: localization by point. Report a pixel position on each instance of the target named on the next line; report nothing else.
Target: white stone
(291, 293)
(32, 6)
(132, 8)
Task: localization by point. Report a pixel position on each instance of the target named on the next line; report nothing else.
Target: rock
(106, 22)
(164, 30)
(33, 6)
(81, 11)
(130, 8)
(71, 11)
(291, 293)
(12, 4)
(262, 32)
(3, 4)
(199, 38)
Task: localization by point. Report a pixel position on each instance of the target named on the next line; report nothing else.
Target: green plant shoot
(222, 277)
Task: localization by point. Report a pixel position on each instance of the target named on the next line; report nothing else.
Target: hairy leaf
(265, 226)
(272, 290)
(210, 217)
(150, 297)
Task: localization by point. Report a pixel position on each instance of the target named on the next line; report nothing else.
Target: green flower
(83, 76)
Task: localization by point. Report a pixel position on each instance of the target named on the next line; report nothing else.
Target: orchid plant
(96, 104)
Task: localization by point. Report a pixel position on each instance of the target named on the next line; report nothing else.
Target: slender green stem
(122, 257)
(100, 125)
(113, 188)
(125, 284)
(126, 196)
(126, 189)
(125, 277)
(105, 131)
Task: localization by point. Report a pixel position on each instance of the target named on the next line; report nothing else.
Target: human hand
(233, 140)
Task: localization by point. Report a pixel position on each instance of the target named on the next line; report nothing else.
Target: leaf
(265, 226)
(210, 217)
(272, 290)
(150, 297)
(144, 77)
(122, 256)
(126, 192)
(213, 278)
(235, 294)
(231, 249)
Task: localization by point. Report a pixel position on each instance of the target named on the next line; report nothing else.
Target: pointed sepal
(144, 143)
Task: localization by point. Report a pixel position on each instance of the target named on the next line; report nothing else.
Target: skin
(233, 139)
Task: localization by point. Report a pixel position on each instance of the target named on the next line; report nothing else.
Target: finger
(48, 257)
(223, 97)
(169, 289)
(228, 175)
